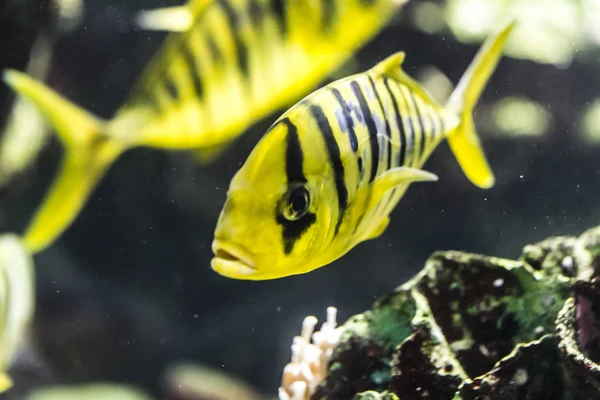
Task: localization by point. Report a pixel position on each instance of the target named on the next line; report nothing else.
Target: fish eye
(296, 203)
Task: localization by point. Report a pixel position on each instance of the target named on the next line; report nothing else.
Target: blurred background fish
(239, 61)
(25, 131)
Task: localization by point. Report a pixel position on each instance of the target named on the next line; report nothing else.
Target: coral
(309, 359)
(475, 327)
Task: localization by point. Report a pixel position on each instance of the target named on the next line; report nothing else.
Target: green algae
(470, 326)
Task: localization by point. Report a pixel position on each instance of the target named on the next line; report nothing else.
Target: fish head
(275, 221)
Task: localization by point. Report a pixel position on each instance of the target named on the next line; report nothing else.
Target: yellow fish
(17, 301)
(239, 61)
(330, 170)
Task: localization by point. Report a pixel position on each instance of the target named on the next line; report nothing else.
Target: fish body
(238, 61)
(330, 170)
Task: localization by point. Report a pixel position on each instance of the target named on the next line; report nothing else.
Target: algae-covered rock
(578, 329)
(476, 327)
(531, 371)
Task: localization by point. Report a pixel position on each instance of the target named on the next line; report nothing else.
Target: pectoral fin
(380, 229)
(393, 178)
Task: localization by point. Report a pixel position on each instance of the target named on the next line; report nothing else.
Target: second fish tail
(89, 152)
(463, 140)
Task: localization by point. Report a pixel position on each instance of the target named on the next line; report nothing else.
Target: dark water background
(128, 288)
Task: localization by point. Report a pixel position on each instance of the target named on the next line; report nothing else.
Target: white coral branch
(308, 366)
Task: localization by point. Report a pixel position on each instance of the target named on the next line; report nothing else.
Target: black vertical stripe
(241, 50)
(294, 161)
(388, 132)
(214, 52)
(364, 108)
(442, 128)
(194, 69)
(411, 125)
(346, 112)
(170, 85)
(399, 124)
(294, 157)
(278, 8)
(256, 12)
(159, 73)
(256, 16)
(335, 159)
(328, 14)
(147, 96)
(434, 121)
(421, 124)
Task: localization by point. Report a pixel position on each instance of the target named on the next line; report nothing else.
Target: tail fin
(88, 154)
(463, 140)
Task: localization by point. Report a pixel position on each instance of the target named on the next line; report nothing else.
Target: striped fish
(236, 62)
(328, 173)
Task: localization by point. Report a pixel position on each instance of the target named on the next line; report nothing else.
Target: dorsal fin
(171, 19)
(392, 68)
(391, 65)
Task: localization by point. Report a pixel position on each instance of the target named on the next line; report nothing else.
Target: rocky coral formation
(474, 327)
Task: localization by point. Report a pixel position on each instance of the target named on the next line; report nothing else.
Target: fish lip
(235, 261)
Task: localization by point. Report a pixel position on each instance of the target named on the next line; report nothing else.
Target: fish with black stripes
(235, 63)
(329, 171)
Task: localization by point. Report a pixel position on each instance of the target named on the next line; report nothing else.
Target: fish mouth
(231, 260)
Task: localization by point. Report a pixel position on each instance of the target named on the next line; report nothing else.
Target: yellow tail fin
(464, 141)
(88, 154)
